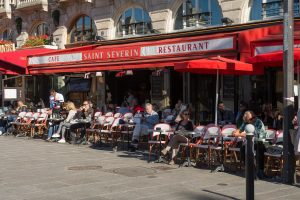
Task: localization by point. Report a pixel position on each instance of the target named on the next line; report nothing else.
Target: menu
(157, 87)
(228, 87)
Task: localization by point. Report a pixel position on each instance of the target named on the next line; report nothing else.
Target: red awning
(15, 62)
(273, 59)
(211, 65)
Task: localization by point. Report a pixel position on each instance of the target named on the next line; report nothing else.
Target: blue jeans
(52, 130)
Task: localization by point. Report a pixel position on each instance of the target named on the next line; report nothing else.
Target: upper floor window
(84, 29)
(40, 29)
(198, 13)
(134, 21)
(264, 9)
(6, 35)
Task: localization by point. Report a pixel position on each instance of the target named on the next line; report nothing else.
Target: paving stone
(37, 170)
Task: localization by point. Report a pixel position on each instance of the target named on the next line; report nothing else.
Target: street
(38, 170)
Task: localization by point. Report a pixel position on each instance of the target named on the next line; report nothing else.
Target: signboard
(7, 47)
(128, 52)
(10, 93)
(157, 86)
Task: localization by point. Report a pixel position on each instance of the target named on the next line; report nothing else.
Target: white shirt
(59, 97)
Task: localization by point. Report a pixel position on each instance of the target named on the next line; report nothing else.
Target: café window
(84, 29)
(198, 13)
(41, 29)
(134, 21)
(266, 9)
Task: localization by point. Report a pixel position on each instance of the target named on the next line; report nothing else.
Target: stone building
(76, 23)
(115, 19)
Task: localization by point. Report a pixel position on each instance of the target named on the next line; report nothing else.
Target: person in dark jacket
(225, 116)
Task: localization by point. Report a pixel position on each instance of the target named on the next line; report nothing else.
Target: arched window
(40, 29)
(198, 13)
(19, 22)
(84, 29)
(6, 35)
(266, 9)
(56, 17)
(134, 21)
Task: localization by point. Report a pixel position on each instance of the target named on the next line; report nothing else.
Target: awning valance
(15, 62)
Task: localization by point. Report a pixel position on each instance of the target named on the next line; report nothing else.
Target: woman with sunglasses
(185, 124)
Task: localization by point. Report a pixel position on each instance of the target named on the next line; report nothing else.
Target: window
(84, 29)
(41, 29)
(134, 21)
(265, 9)
(198, 13)
(19, 22)
(6, 35)
(56, 17)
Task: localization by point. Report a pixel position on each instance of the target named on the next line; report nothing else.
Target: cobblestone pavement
(37, 170)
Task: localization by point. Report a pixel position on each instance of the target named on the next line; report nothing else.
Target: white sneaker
(55, 135)
(62, 141)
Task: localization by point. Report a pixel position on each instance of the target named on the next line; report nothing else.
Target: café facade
(145, 65)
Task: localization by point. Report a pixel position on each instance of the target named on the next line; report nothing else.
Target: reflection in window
(41, 29)
(198, 13)
(264, 9)
(134, 21)
(84, 29)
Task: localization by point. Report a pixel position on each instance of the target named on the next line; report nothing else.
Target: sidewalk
(37, 170)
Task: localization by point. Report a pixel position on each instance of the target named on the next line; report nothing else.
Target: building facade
(70, 23)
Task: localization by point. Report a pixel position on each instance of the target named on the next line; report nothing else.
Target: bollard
(249, 158)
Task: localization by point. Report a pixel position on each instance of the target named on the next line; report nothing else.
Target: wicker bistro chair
(273, 157)
(126, 129)
(24, 126)
(109, 114)
(106, 128)
(112, 131)
(18, 120)
(196, 139)
(159, 137)
(210, 145)
(227, 138)
(96, 126)
(40, 124)
(234, 152)
(35, 116)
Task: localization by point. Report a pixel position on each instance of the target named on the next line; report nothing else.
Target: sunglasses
(186, 114)
(85, 104)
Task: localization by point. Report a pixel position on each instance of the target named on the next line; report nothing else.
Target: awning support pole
(217, 98)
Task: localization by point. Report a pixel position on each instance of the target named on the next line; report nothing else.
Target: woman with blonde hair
(67, 122)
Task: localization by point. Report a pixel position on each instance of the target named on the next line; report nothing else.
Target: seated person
(250, 118)
(259, 132)
(20, 107)
(225, 116)
(67, 122)
(184, 125)
(148, 121)
(85, 112)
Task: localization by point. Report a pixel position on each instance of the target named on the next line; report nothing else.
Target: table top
(56, 119)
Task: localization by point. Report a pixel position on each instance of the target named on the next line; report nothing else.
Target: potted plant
(34, 41)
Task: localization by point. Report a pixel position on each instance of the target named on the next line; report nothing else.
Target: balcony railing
(276, 10)
(29, 4)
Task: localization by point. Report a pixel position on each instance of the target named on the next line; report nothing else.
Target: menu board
(157, 86)
(228, 87)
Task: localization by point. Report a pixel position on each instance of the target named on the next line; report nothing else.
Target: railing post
(249, 162)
